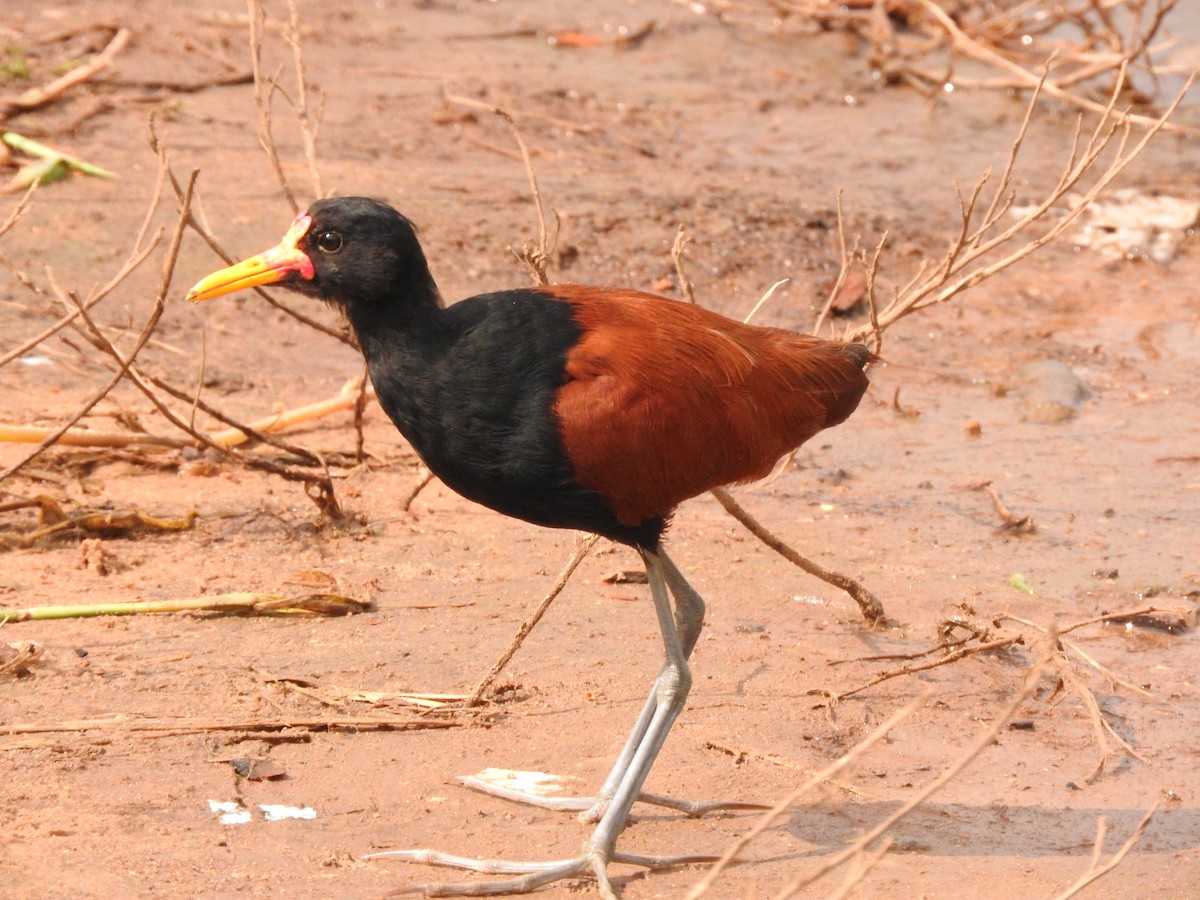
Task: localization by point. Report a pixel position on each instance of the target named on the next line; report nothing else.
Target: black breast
(474, 395)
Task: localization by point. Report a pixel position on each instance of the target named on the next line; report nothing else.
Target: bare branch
(1096, 871)
(985, 739)
(40, 96)
(582, 548)
(868, 603)
(309, 124)
(262, 100)
(963, 266)
(770, 817)
(536, 258)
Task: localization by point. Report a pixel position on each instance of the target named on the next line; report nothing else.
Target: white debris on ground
(1129, 224)
(232, 812)
(539, 784)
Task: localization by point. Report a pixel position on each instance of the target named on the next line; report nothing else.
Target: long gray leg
(689, 620)
(680, 628)
(689, 606)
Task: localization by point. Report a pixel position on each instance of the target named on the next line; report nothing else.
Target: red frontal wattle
(291, 241)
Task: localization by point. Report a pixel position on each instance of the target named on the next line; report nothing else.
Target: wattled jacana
(573, 407)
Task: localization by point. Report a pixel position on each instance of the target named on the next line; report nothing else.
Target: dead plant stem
(826, 774)
(582, 548)
(981, 743)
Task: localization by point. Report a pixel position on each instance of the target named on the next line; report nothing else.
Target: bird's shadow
(959, 829)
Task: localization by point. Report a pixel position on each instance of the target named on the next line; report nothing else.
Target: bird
(568, 406)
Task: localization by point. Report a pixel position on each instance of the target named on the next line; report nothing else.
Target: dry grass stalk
(182, 725)
(242, 602)
(769, 818)
(264, 89)
(101, 522)
(978, 252)
(352, 394)
(40, 96)
(143, 337)
(582, 548)
(87, 437)
(333, 695)
(1095, 870)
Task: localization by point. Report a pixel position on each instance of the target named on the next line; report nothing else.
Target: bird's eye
(329, 242)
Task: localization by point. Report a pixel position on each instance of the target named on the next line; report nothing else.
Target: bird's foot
(530, 875)
(537, 789)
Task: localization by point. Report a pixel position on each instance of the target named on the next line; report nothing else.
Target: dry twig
(143, 337)
(1096, 871)
(166, 725)
(953, 657)
(771, 816)
(979, 252)
(584, 545)
(264, 89)
(243, 603)
(869, 605)
(534, 258)
(1023, 77)
(40, 96)
(309, 122)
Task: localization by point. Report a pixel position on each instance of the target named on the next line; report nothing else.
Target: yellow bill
(266, 268)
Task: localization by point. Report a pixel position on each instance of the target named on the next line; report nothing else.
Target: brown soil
(746, 138)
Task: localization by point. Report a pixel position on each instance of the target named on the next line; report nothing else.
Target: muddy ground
(746, 137)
